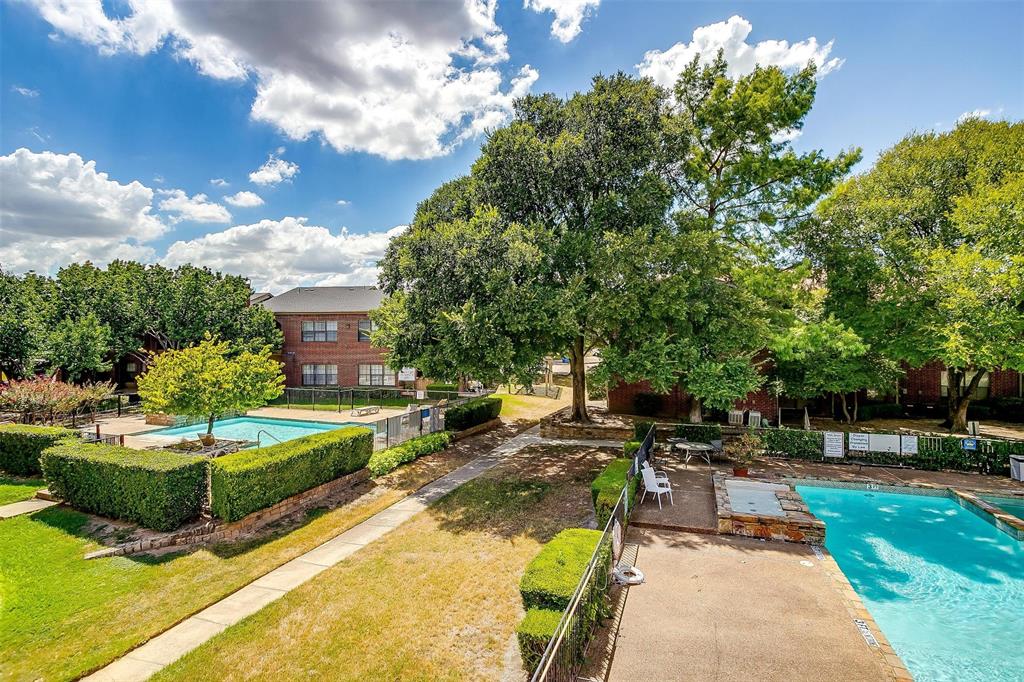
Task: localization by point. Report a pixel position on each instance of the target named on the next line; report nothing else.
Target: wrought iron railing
(567, 652)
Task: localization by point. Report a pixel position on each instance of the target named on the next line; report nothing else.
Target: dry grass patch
(61, 616)
(436, 599)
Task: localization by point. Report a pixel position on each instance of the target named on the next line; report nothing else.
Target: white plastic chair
(753, 418)
(735, 417)
(657, 472)
(656, 486)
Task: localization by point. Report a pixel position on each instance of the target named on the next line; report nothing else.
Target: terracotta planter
(739, 471)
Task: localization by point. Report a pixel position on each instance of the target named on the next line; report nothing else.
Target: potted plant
(742, 451)
(207, 439)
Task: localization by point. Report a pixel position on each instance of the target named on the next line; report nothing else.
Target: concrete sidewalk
(164, 649)
(24, 507)
(728, 608)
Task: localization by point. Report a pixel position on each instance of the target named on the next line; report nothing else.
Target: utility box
(1017, 467)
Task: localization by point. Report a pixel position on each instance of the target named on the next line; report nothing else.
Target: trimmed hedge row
(386, 461)
(700, 433)
(549, 583)
(607, 487)
(21, 445)
(250, 480)
(472, 413)
(793, 443)
(641, 429)
(159, 490)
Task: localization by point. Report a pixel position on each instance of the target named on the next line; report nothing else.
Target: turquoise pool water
(945, 586)
(1008, 505)
(247, 428)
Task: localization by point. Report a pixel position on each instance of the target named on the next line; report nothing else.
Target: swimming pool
(1009, 505)
(248, 428)
(945, 586)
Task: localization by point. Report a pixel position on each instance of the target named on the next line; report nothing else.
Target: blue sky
(165, 98)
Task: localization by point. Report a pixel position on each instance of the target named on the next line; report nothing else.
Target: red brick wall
(347, 352)
(676, 403)
(924, 384)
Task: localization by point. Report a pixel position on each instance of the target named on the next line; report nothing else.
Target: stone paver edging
(169, 646)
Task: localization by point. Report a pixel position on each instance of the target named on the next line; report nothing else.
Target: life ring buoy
(627, 575)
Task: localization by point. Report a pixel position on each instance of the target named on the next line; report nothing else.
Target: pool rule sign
(833, 444)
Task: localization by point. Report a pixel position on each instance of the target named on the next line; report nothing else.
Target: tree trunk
(209, 424)
(696, 410)
(578, 371)
(846, 412)
(855, 406)
(959, 398)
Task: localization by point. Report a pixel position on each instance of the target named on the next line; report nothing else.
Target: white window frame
(376, 375)
(370, 327)
(319, 331)
(321, 375)
(983, 386)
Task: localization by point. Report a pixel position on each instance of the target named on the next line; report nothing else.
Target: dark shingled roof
(326, 300)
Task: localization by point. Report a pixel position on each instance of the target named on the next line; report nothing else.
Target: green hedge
(794, 443)
(699, 433)
(880, 411)
(385, 461)
(472, 413)
(448, 388)
(21, 445)
(607, 487)
(630, 447)
(250, 480)
(534, 633)
(641, 428)
(159, 490)
(548, 584)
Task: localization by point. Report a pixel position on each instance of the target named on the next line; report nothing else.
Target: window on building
(319, 375)
(131, 367)
(365, 328)
(376, 375)
(979, 394)
(326, 330)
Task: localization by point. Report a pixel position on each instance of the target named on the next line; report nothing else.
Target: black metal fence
(115, 406)
(339, 399)
(420, 421)
(567, 651)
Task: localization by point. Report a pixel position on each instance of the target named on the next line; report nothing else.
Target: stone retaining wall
(555, 426)
(798, 525)
(214, 530)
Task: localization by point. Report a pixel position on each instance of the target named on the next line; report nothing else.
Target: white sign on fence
(884, 442)
(833, 444)
(908, 445)
(860, 441)
(407, 374)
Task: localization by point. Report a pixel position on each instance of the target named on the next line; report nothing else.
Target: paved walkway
(728, 608)
(164, 649)
(24, 507)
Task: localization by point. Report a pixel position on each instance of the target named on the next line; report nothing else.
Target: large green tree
(723, 284)
(209, 379)
(924, 253)
(508, 265)
(18, 328)
(79, 347)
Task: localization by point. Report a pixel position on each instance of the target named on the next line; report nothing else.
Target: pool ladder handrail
(262, 431)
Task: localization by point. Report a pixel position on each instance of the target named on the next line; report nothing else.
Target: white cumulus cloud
(569, 15)
(280, 254)
(275, 170)
(25, 92)
(664, 66)
(219, 182)
(58, 208)
(344, 202)
(197, 208)
(401, 79)
(244, 199)
(975, 113)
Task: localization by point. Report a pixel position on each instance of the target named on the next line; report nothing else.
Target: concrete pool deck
(731, 608)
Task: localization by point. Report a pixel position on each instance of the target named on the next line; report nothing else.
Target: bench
(363, 411)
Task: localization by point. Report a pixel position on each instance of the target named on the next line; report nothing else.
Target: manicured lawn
(61, 616)
(436, 599)
(18, 489)
(530, 407)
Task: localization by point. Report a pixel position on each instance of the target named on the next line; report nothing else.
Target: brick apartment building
(921, 386)
(327, 337)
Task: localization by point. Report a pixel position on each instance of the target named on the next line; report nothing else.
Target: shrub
(880, 411)
(700, 433)
(630, 447)
(597, 391)
(641, 428)
(385, 461)
(744, 449)
(1008, 409)
(159, 490)
(794, 443)
(535, 633)
(551, 578)
(250, 480)
(21, 445)
(607, 487)
(448, 388)
(548, 584)
(647, 404)
(472, 413)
